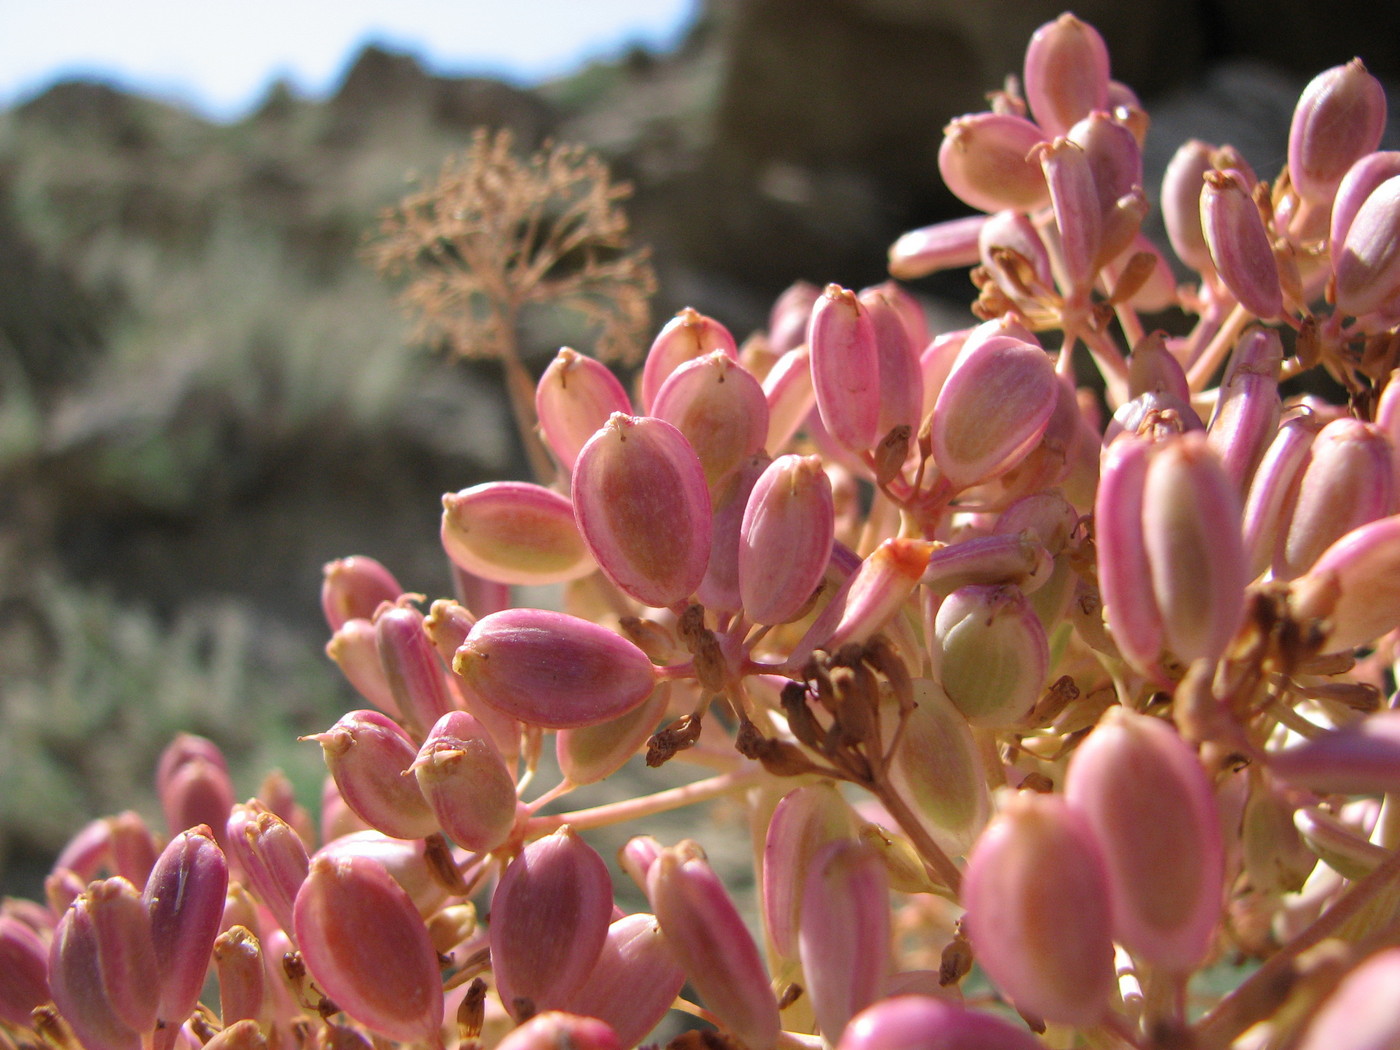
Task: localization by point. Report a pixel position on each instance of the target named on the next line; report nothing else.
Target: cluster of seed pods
(1078, 694)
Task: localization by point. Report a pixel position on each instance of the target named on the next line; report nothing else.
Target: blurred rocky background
(206, 393)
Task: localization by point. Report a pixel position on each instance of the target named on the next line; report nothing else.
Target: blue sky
(220, 56)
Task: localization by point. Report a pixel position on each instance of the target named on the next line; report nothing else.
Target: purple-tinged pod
(557, 1030)
(412, 669)
(242, 977)
(592, 753)
(448, 623)
(983, 160)
(643, 506)
(1359, 183)
(369, 756)
(406, 861)
(785, 539)
(553, 670)
(1155, 286)
(1361, 758)
(633, 982)
(351, 918)
(1362, 1013)
(24, 971)
(1012, 250)
(636, 857)
(198, 792)
(936, 362)
(1182, 184)
(1153, 369)
(788, 390)
(688, 335)
(1247, 409)
(1366, 265)
(1349, 480)
(1078, 215)
(1066, 73)
(549, 920)
(874, 594)
(353, 588)
(1003, 559)
(355, 649)
(719, 590)
(843, 933)
(787, 320)
(268, 856)
(1038, 915)
(901, 381)
(990, 654)
(126, 951)
(574, 397)
(945, 245)
(922, 1022)
(1338, 843)
(1114, 155)
(87, 852)
(712, 944)
(1123, 566)
(992, 410)
(466, 782)
(1354, 586)
(936, 769)
(804, 821)
(514, 532)
(1274, 488)
(77, 984)
(721, 410)
(1239, 243)
(1165, 865)
(1340, 118)
(185, 897)
(845, 368)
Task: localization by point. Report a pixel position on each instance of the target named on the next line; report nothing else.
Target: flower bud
(1165, 865)
(1239, 244)
(185, 897)
(365, 945)
(688, 335)
(1182, 184)
(514, 532)
(1037, 897)
(1066, 73)
(643, 507)
(549, 921)
(991, 654)
(983, 160)
(553, 670)
(921, 1022)
(633, 982)
(24, 969)
(936, 769)
(555, 1030)
(269, 856)
(78, 985)
(1366, 264)
(353, 588)
(466, 782)
(943, 246)
(710, 941)
(804, 821)
(1362, 1013)
(369, 755)
(1354, 586)
(785, 539)
(575, 396)
(845, 368)
(719, 408)
(1340, 118)
(238, 959)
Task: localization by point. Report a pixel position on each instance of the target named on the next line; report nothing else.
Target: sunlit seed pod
(983, 161)
(198, 791)
(943, 246)
(412, 669)
(1362, 1013)
(592, 753)
(514, 532)
(352, 588)
(1354, 586)
(355, 649)
(24, 971)
(1239, 243)
(466, 782)
(991, 654)
(785, 539)
(634, 980)
(1153, 369)
(1114, 156)
(804, 820)
(1366, 264)
(1066, 73)
(721, 410)
(1274, 488)
(1123, 565)
(1182, 184)
(185, 896)
(369, 756)
(126, 950)
(922, 1022)
(406, 861)
(688, 335)
(935, 767)
(1359, 183)
(788, 318)
(1247, 410)
(790, 395)
(1078, 215)
(1358, 759)
(643, 507)
(553, 670)
(936, 362)
(1012, 558)
(268, 856)
(76, 981)
(901, 382)
(874, 594)
(574, 397)
(845, 363)
(719, 590)
(1339, 118)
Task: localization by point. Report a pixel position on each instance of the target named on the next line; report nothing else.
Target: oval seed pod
(688, 335)
(1114, 155)
(1182, 184)
(1165, 864)
(719, 590)
(1273, 489)
(1066, 73)
(412, 669)
(922, 1022)
(351, 918)
(643, 507)
(466, 782)
(406, 861)
(352, 588)
(369, 754)
(1037, 898)
(592, 753)
(1362, 1013)
(269, 856)
(1359, 182)
(355, 649)
(574, 397)
(125, 949)
(1340, 118)
(633, 982)
(845, 368)
(24, 971)
(198, 791)
(991, 654)
(945, 245)
(514, 532)
(785, 539)
(1239, 244)
(1362, 758)
(1354, 585)
(983, 160)
(185, 896)
(803, 822)
(1078, 215)
(79, 991)
(1247, 410)
(1366, 264)
(553, 670)
(788, 390)
(721, 410)
(936, 767)
(897, 321)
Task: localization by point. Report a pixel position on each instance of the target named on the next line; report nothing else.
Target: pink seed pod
(1132, 613)
(721, 410)
(238, 1035)
(549, 921)
(785, 539)
(804, 821)
(1114, 156)
(1348, 481)
(991, 654)
(983, 160)
(592, 753)
(125, 949)
(897, 322)
(945, 245)
(514, 532)
(1362, 758)
(844, 933)
(1066, 73)
(78, 984)
(1274, 488)
(553, 670)
(712, 945)
(1366, 265)
(1182, 184)
(1165, 865)
(574, 397)
(787, 320)
(992, 410)
(556, 1030)
(845, 368)
(1239, 244)
(935, 767)
(1038, 912)
(921, 1022)
(1340, 118)
(719, 590)
(351, 918)
(1011, 558)
(268, 856)
(1078, 215)
(1247, 410)
(369, 754)
(634, 980)
(939, 356)
(352, 588)
(1362, 1013)
(198, 792)
(1153, 369)
(355, 649)
(242, 979)
(412, 669)
(448, 623)
(87, 852)
(643, 506)
(1354, 585)
(688, 335)
(24, 971)
(1008, 245)
(405, 860)
(466, 782)
(1359, 183)
(185, 897)
(636, 857)
(788, 390)
(874, 594)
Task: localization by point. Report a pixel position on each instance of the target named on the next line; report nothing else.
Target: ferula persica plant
(1061, 718)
